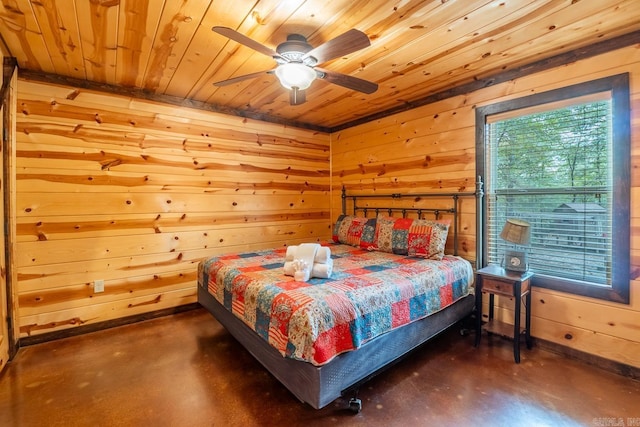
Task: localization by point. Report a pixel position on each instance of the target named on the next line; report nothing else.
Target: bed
(390, 291)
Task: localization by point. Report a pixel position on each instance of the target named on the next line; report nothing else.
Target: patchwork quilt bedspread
(369, 293)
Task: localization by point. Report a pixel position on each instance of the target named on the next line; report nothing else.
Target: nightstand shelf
(497, 327)
(495, 280)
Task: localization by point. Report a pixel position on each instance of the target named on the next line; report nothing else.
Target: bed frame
(320, 385)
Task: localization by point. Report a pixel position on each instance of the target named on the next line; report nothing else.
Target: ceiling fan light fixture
(293, 74)
(297, 61)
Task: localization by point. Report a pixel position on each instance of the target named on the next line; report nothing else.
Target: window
(560, 160)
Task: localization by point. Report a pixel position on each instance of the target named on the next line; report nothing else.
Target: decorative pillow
(355, 231)
(408, 236)
(388, 238)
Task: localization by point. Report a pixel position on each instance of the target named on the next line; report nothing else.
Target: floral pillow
(355, 231)
(408, 236)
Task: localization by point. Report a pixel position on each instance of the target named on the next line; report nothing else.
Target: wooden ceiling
(419, 49)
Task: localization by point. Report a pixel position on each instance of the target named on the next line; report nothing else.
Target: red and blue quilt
(369, 293)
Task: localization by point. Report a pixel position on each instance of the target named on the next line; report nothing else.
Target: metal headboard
(453, 209)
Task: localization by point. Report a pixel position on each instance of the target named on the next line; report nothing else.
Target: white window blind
(553, 167)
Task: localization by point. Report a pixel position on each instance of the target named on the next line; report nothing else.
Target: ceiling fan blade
(242, 39)
(242, 78)
(297, 97)
(344, 44)
(349, 82)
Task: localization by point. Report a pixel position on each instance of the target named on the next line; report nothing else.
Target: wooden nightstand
(495, 280)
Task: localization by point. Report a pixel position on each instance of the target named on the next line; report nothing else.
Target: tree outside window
(560, 160)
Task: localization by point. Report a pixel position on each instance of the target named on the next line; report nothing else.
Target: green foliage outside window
(561, 161)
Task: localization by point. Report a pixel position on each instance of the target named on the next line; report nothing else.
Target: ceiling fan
(297, 62)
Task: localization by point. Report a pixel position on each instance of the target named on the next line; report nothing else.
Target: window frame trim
(618, 86)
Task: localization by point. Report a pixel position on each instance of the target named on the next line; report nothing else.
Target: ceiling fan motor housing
(294, 50)
(297, 61)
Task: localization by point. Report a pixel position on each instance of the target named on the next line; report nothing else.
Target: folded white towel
(308, 260)
(289, 269)
(322, 255)
(306, 254)
(302, 275)
(291, 253)
(323, 270)
(299, 269)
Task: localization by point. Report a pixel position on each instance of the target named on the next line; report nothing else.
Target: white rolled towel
(299, 269)
(291, 253)
(322, 270)
(302, 275)
(289, 269)
(323, 255)
(316, 258)
(306, 253)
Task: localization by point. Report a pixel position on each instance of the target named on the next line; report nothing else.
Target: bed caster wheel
(355, 405)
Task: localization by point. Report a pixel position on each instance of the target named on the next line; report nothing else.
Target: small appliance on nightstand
(495, 280)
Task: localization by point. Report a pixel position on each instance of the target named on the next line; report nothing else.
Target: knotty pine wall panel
(100, 171)
(135, 193)
(8, 84)
(429, 149)
(432, 148)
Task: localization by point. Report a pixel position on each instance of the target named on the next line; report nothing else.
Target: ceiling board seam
(152, 42)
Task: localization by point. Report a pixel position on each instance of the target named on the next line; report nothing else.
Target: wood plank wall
(4, 325)
(432, 148)
(135, 193)
(424, 150)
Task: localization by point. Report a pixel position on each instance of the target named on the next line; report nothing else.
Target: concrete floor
(186, 370)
